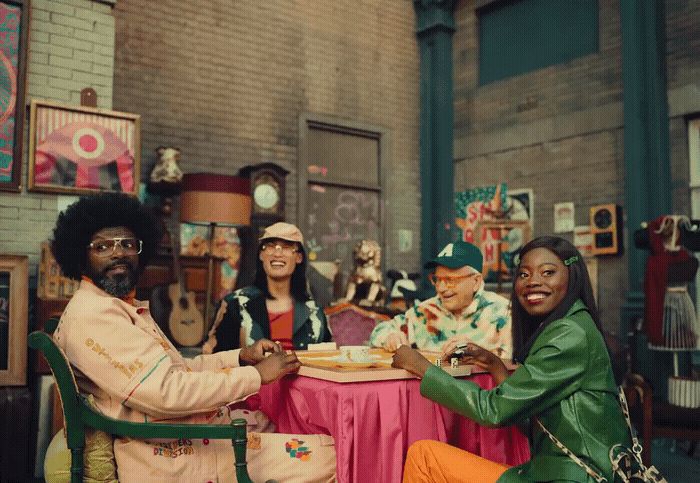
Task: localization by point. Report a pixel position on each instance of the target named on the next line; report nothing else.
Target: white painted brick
(75, 3)
(89, 57)
(39, 47)
(40, 215)
(40, 15)
(25, 202)
(37, 36)
(95, 16)
(9, 213)
(90, 78)
(38, 58)
(105, 50)
(53, 6)
(52, 28)
(69, 21)
(46, 92)
(49, 203)
(44, 69)
(71, 42)
(97, 38)
(37, 80)
(104, 71)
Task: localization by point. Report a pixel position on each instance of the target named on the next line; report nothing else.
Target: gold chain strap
(591, 472)
(645, 474)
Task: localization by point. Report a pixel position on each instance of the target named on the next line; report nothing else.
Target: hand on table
(410, 360)
(449, 347)
(256, 352)
(394, 341)
(277, 365)
(478, 356)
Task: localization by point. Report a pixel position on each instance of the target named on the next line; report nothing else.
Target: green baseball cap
(458, 254)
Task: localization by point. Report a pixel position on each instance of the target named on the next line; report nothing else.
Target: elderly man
(461, 312)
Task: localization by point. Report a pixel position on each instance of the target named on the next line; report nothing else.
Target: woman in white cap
(277, 306)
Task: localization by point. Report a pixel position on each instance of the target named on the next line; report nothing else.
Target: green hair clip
(571, 260)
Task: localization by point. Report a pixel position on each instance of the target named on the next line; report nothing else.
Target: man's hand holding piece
(277, 365)
(255, 353)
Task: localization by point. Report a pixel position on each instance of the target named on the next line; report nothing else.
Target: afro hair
(90, 214)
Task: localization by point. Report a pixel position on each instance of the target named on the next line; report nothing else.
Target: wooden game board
(324, 365)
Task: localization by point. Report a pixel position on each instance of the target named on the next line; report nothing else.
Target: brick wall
(71, 46)
(559, 130)
(227, 83)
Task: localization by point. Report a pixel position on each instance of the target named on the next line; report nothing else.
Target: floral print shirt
(486, 321)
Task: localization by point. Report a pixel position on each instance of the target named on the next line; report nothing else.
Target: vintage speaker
(606, 229)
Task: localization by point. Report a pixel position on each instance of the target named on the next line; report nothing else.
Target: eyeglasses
(273, 247)
(105, 248)
(450, 282)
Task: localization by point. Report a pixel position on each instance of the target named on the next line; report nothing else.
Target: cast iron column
(434, 27)
(646, 136)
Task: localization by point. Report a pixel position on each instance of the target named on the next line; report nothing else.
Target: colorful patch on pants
(296, 449)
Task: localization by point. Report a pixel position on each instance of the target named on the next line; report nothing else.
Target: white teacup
(355, 353)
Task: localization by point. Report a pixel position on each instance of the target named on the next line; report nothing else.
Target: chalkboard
(337, 218)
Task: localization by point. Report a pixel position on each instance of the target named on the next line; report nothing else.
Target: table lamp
(214, 199)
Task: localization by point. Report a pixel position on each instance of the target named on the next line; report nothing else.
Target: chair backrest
(351, 325)
(78, 415)
(67, 387)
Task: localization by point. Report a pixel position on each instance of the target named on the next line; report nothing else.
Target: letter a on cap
(447, 251)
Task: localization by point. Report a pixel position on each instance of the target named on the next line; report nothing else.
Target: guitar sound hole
(183, 303)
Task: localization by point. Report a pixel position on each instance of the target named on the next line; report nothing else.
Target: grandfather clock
(267, 189)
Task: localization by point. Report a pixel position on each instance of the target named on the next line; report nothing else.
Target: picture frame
(80, 150)
(694, 152)
(14, 22)
(14, 303)
(499, 241)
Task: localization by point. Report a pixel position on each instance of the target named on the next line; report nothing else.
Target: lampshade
(215, 198)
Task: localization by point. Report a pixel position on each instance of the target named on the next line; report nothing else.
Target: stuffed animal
(403, 286)
(366, 277)
(166, 169)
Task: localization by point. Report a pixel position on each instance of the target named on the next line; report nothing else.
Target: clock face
(266, 195)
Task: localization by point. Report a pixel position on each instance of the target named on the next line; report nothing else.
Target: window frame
(309, 121)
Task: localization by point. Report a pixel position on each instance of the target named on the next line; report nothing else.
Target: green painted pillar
(434, 28)
(646, 153)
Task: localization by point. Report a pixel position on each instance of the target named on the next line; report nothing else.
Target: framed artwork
(14, 301)
(227, 245)
(14, 19)
(479, 204)
(521, 205)
(499, 242)
(77, 150)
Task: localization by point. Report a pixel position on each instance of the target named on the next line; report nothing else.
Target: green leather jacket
(567, 382)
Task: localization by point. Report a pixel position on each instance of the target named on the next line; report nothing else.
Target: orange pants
(436, 462)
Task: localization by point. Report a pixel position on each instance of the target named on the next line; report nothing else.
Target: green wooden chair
(78, 415)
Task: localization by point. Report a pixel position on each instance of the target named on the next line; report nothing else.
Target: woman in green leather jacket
(565, 381)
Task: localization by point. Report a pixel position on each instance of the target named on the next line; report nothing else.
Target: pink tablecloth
(374, 423)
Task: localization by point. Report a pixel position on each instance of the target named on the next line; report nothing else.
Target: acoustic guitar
(185, 322)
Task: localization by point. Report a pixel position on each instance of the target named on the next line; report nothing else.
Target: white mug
(355, 353)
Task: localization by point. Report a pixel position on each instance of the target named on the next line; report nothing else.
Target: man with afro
(122, 358)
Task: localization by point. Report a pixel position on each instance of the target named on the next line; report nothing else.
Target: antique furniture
(214, 199)
(659, 419)
(350, 324)
(79, 415)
